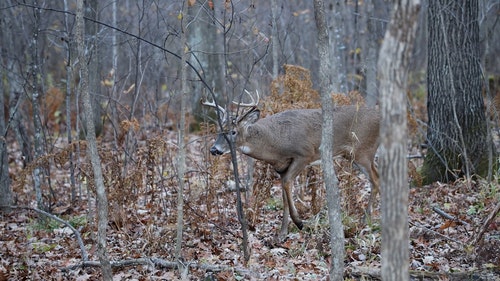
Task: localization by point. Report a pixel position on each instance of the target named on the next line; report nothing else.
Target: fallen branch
(161, 263)
(85, 255)
(462, 245)
(362, 272)
(448, 216)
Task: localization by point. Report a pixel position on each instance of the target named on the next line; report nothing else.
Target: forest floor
(444, 218)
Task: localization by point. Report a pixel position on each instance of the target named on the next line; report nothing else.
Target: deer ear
(250, 117)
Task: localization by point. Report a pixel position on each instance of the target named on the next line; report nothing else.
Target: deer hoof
(299, 225)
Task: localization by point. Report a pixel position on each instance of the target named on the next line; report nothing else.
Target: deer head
(231, 127)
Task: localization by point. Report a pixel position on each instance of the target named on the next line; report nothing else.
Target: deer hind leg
(286, 216)
(374, 179)
(288, 201)
(287, 178)
(368, 167)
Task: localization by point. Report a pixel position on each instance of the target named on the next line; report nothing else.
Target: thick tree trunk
(457, 135)
(393, 70)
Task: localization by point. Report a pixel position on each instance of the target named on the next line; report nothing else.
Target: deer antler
(252, 104)
(221, 110)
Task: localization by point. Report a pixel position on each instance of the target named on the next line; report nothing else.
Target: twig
(485, 225)
(85, 256)
(448, 216)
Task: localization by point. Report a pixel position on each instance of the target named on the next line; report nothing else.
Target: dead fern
(264, 176)
(293, 90)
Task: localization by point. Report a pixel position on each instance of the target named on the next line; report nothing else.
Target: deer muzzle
(215, 151)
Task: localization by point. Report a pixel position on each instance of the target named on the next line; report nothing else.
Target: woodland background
(134, 51)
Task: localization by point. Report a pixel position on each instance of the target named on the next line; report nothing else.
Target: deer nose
(215, 151)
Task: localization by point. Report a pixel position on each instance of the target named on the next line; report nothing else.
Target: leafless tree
(331, 181)
(67, 40)
(102, 201)
(181, 164)
(338, 45)
(393, 69)
(35, 93)
(6, 198)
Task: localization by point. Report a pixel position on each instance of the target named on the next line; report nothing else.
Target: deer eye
(233, 133)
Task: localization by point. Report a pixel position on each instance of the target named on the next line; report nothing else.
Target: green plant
(78, 221)
(40, 247)
(44, 224)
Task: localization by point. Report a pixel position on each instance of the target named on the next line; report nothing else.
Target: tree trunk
(331, 181)
(274, 33)
(12, 51)
(35, 92)
(338, 45)
(181, 164)
(69, 89)
(5, 191)
(372, 48)
(102, 201)
(205, 44)
(457, 134)
(393, 70)
(92, 32)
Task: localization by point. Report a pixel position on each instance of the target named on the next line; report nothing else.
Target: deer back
(297, 133)
(286, 134)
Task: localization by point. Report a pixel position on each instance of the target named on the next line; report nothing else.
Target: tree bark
(102, 201)
(371, 57)
(393, 70)
(92, 31)
(35, 102)
(326, 148)
(457, 134)
(274, 33)
(338, 46)
(69, 89)
(5, 191)
(181, 164)
(205, 43)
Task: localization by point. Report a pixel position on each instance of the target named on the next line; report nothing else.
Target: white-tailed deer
(290, 140)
